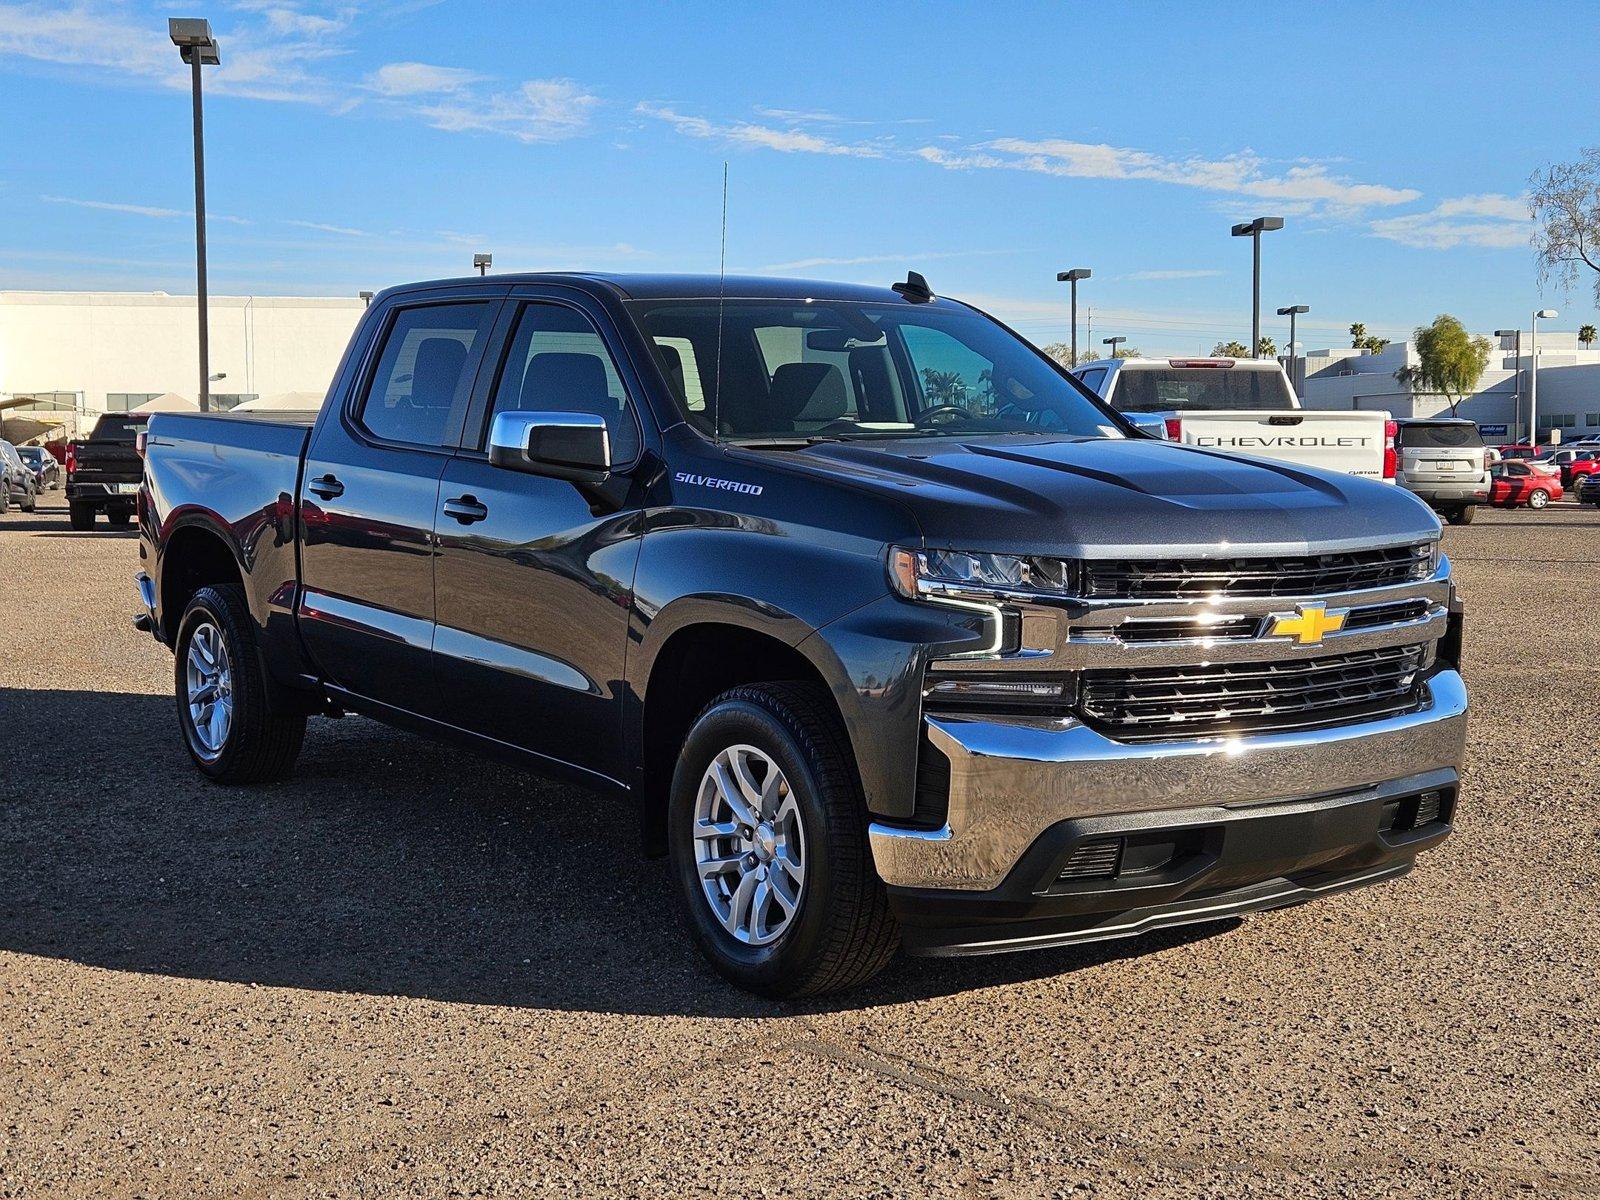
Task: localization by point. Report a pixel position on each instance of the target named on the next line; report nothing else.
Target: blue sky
(358, 145)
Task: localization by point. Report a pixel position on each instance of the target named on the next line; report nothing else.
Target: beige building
(1568, 398)
(74, 355)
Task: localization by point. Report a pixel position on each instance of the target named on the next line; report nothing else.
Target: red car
(1574, 463)
(1517, 450)
(1514, 483)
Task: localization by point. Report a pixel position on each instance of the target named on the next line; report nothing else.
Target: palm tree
(1587, 335)
(943, 387)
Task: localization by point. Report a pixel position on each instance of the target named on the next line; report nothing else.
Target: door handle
(465, 509)
(325, 486)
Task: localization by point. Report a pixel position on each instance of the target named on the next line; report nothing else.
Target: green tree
(1266, 347)
(1061, 352)
(1450, 361)
(943, 387)
(1233, 349)
(1127, 352)
(1359, 339)
(1564, 200)
(1587, 335)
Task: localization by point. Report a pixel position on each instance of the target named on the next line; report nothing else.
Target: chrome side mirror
(561, 445)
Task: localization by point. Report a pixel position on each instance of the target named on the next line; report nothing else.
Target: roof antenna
(915, 288)
(722, 279)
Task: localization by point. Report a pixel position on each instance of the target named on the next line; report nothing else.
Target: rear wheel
(230, 731)
(30, 499)
(81, 516)
(1462, 515)
(768, 838)
(1538, 498)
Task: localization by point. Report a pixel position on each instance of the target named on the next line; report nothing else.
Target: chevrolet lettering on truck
(887, 631)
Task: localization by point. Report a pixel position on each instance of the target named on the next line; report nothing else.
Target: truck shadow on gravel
(388, 865)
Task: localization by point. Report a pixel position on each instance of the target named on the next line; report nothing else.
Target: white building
(78, 354)
(1568, 396)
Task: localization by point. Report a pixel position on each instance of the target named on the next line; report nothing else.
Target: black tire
(5, 497)
(30, 500)
(119, 518)
(842, 932)
(1462, 515)
(260, 745)
(80, 516)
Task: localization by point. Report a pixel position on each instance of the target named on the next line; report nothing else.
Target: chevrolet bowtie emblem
(1309, 623)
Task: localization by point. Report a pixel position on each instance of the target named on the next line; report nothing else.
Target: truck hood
(1102, 497)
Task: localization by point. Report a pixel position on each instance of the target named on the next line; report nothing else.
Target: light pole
(1516, 395)
(1544, 314)
(198, 48)
(1113, 342)
(483, 262)
(1293, 311)
(1072, 277)
(366, 298)
(1253, 230)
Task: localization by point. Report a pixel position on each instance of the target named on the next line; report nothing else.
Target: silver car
(1445, 463)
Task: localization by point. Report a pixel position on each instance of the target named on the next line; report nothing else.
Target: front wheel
(231, 733)
(1538, 498)
(1462, 515)
(768, 839)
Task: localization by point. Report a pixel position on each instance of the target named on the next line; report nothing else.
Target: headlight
(919, 574)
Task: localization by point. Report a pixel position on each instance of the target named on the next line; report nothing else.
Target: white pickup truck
(1245, 406)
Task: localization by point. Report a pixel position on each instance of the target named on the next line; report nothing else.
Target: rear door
(369, 491)
(535, 579)
(1440, 453)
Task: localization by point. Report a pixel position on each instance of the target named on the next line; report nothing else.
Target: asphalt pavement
(407, 971)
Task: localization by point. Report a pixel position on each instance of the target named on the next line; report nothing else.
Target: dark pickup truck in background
(104, 470)
(890, 631)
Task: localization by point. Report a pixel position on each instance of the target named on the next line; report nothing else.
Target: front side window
(420, 387)
(849, 370)
(557, 362)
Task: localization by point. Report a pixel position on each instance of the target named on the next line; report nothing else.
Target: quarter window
(420, 388)
(557, 362)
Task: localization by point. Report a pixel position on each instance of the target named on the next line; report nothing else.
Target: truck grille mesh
(1310, 575)
(1177, 703)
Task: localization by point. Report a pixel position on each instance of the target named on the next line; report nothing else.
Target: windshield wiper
(782, 443)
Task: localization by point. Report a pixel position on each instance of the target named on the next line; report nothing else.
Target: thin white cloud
(1150, 276)
(321, 227)
(1309, 186)
(806, 117)
(141, 210)
(746, 133)
(541, 110)
(1489, 221)
(420, 79)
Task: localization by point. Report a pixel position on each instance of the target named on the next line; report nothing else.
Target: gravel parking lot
(408, 971)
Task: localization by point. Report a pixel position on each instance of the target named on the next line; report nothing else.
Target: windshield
(1441, 437)
(798, 369)
(1200, 389)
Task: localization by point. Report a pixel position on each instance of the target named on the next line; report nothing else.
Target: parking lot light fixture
(1293, 311)
(1071, 277)
(1113, 342)
(1253, 230)
(1543, 314)
(196, 46)
(483, 262)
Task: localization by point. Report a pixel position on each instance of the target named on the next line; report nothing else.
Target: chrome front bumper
(1012, 779)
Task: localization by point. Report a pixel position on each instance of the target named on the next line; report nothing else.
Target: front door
(368, 498)
(533, 586)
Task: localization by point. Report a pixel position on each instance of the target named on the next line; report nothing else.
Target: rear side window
(1093, 379)
(420, 388)
(1440, 437)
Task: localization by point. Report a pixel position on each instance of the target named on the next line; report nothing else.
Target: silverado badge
(1309, 623)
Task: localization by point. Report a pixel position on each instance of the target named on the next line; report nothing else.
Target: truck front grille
(1179, 703)
(1310, 575)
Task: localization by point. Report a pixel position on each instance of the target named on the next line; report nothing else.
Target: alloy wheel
(208, 673)
(749, 845)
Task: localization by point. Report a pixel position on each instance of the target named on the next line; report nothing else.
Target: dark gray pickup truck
(104, 469)
(889, 631)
